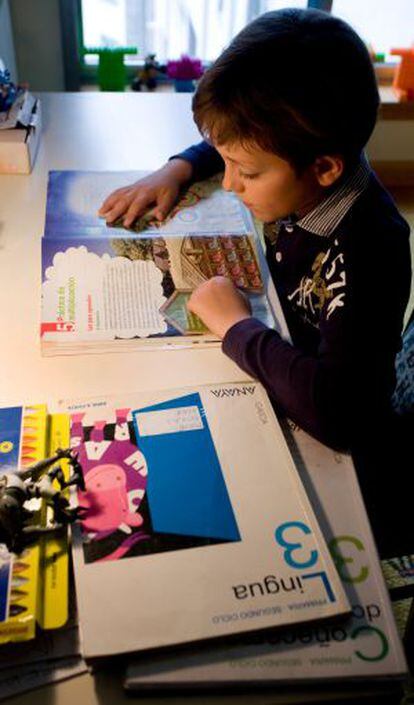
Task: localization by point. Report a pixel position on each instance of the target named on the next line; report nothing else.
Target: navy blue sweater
(342, 274)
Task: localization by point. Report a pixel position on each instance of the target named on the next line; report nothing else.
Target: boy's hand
(219, 305)
(160, 190)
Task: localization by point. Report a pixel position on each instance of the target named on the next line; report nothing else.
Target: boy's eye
(248, 176)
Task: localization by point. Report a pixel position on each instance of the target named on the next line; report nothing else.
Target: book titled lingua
(362, 651)
(108, 288)
(195, 523)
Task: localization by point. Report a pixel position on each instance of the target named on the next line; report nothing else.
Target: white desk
(98, 132)
(88, 131)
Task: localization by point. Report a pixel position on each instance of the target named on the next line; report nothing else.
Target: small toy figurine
(17, 522)
(8, 91)
(148, 75)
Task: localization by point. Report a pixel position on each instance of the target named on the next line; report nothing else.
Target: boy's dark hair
(299, 83)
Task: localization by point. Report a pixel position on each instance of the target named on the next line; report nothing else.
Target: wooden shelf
(391, 108)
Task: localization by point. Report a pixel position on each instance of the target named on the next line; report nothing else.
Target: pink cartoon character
(106, 499)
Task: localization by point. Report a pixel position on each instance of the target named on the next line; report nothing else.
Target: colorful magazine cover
(195, 524)
(365, 648)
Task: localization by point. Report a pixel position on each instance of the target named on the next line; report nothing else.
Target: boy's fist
(219, 305)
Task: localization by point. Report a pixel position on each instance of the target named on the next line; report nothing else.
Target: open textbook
(195, 524)
(359, 652)
(107, 288)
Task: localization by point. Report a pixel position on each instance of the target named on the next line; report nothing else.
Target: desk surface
(88, 131)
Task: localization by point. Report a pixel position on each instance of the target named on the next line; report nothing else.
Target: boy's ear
(328, 169)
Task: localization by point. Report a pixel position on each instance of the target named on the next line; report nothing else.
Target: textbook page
(74, 198)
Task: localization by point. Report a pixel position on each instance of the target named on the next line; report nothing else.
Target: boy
(287, 110)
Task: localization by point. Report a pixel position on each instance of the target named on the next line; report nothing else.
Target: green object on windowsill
(111, 69)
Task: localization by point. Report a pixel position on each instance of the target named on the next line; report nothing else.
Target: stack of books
(356, 657)
(220, 552)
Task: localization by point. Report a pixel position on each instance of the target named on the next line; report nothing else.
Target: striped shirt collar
(327, 215)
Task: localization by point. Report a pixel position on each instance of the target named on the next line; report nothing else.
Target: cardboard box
(18, 146)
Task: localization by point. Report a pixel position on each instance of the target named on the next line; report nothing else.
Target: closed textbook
(363, 651)
(195, 523)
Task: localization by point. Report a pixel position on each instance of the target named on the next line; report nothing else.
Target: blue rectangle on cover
(186, 490)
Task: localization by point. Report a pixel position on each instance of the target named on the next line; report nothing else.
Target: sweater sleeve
(300, 384)
(347, 381)
(204, 159)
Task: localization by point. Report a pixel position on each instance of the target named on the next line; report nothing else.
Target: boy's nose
(231, 182)
(226, 179)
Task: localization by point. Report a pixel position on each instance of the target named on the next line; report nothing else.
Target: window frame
(77, 72)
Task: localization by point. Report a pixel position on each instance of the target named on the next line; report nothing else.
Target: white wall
(392, 140)
(6, 40)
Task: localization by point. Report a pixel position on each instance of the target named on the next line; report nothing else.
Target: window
(169, 28)
(383, 24)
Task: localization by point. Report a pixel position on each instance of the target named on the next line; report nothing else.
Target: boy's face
(267, 184)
